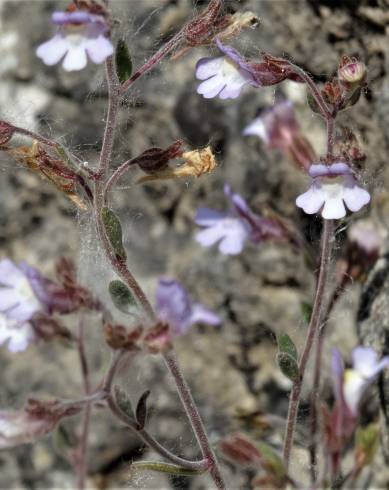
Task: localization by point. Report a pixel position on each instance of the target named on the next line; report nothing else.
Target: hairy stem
(195, 418)
(313, 328)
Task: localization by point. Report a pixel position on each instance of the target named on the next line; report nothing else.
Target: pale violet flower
(332, 188)
(176, 308)
(351, 384)
(231, 230)
(224, 76)
(80, 35)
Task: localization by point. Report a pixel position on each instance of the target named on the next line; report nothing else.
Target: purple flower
(276, 126)
(351, 384)
(175, 307)
(80, 35)
(232, 229)
(224, 76)
(332, 187)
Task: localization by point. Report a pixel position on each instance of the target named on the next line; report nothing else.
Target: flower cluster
(232, 229)
(80, 35)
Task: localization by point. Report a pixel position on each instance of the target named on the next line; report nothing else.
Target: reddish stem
(313, 328)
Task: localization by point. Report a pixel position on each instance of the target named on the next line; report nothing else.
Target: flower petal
(353, 389)
(21, 338)
(8, 299)
(208, 67)
(365, 361)
(211, 87)
(355, 197)
(10, 274)
(53, 50)
(257, 128)
(333, 209)
(76, 58)
(312, 200)
(99, 49)
(202, 314)
(210, 236)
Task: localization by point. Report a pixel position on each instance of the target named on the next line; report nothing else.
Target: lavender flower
(175, 307)
(234, 228)
(80, 34)
(351, 384)
(332, 187)
(224, 76)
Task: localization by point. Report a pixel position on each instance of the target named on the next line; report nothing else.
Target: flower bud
(352, 72)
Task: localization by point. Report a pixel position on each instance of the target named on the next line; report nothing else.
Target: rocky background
(260, 293)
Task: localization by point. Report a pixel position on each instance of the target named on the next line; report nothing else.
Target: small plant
(32, 306)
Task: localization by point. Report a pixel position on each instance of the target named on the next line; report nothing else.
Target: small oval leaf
(122, 297)
(286, 346)
(123, 61)
(141, 410)
(113, 229)
(314, 106)
(288, 366)
(123, 401)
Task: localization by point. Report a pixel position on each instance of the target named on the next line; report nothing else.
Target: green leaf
(123, 61)
(353, 99)
(286, 346)
(122, 297)
(288, 366)
(162, 467)
(272, 462)
(113, 229)
(312, 103)
(307, 311)
(123, 401)
(367, 442)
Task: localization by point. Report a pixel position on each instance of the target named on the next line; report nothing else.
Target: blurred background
(259, 293)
